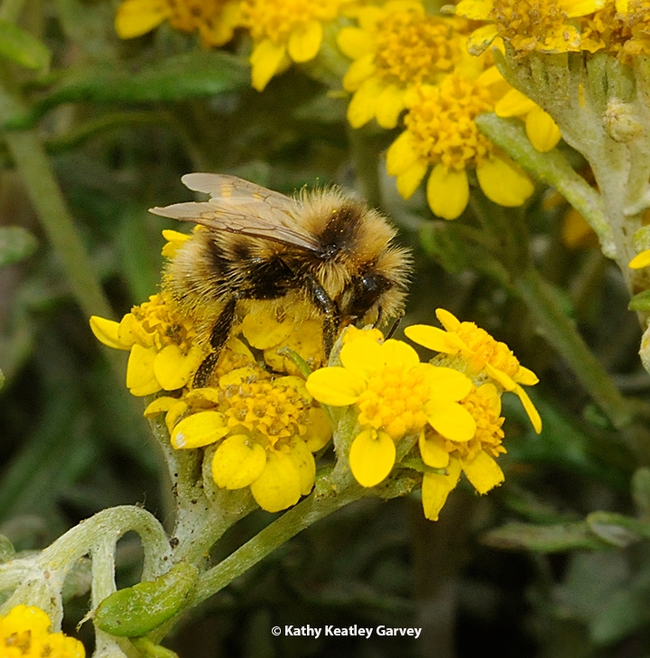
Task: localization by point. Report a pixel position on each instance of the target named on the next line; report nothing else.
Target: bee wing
(222, 186)
(239, 206)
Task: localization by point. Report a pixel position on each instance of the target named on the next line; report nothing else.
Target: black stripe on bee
(340, 233)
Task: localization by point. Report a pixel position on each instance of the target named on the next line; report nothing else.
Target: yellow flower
(266, 428)
(214, 20)
(163, 352)
(634, 19)
(394, 396)
(474, 457)
(527, 25)
(394, 47)
(478, 355)
(263, 331)
(441, 132)
(542, 131)
(641, 260)
(25, 633)
(284, 31)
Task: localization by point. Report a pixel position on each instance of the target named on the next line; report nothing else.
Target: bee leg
(330, 311)
(393, 327)
(218, 337)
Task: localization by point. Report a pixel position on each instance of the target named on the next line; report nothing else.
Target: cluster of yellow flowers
(260, 422)
(25, 633)
(408, 68)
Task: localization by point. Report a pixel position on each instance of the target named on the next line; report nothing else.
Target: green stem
(11, 10)
(366, 165)
(34, 167)
(561, 332)
(310, 510)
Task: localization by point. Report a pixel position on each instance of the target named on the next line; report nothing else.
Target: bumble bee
(319, 253)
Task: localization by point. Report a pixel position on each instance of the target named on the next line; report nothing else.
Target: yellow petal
(262, 330)
(433, 338)
(319, 430)
(238, 462)
(526, 377)
(389, 106)
(175, 413)
(476, 10)
(483, 472)
(401, 156)
(448, 320)
(532, 412)
(502, 377)
(199, 430)
(363, 105)
(106, 331)
(278, 487)
(447, 192)
(305, 42)
(436, 489)
(160, 405)
(575, 8)
(432, 451)
(451, 420)
(409, 180)
(355, 42)
(542, 130)
(304, 462)
(173, 369)
(140, 378)
(514, 104)
(638, 262)
(504, 182)
(266, 60)
(359, 72)
(372, 457)
(338, 387)
(481, 39)
(398, 353)
(363, 357)
(447, 383)
(137, 17)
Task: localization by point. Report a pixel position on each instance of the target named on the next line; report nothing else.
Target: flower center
(441, 119)
(485, 349)
(394, 401)
(270, 408)
(158, 325)
(277, 19)
(489, 434)
(190, 15)
(413, 49)
(525, 23)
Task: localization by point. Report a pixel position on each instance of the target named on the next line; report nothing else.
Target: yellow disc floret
(394, 401)
(412, 48)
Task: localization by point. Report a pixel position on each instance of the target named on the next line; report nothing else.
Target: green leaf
(640, 302)
(7, 550)
(197, 74)
(134, 611)
(16, 243)
(623, 613)
(22, 47)
(641, 491)
(544, 539)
